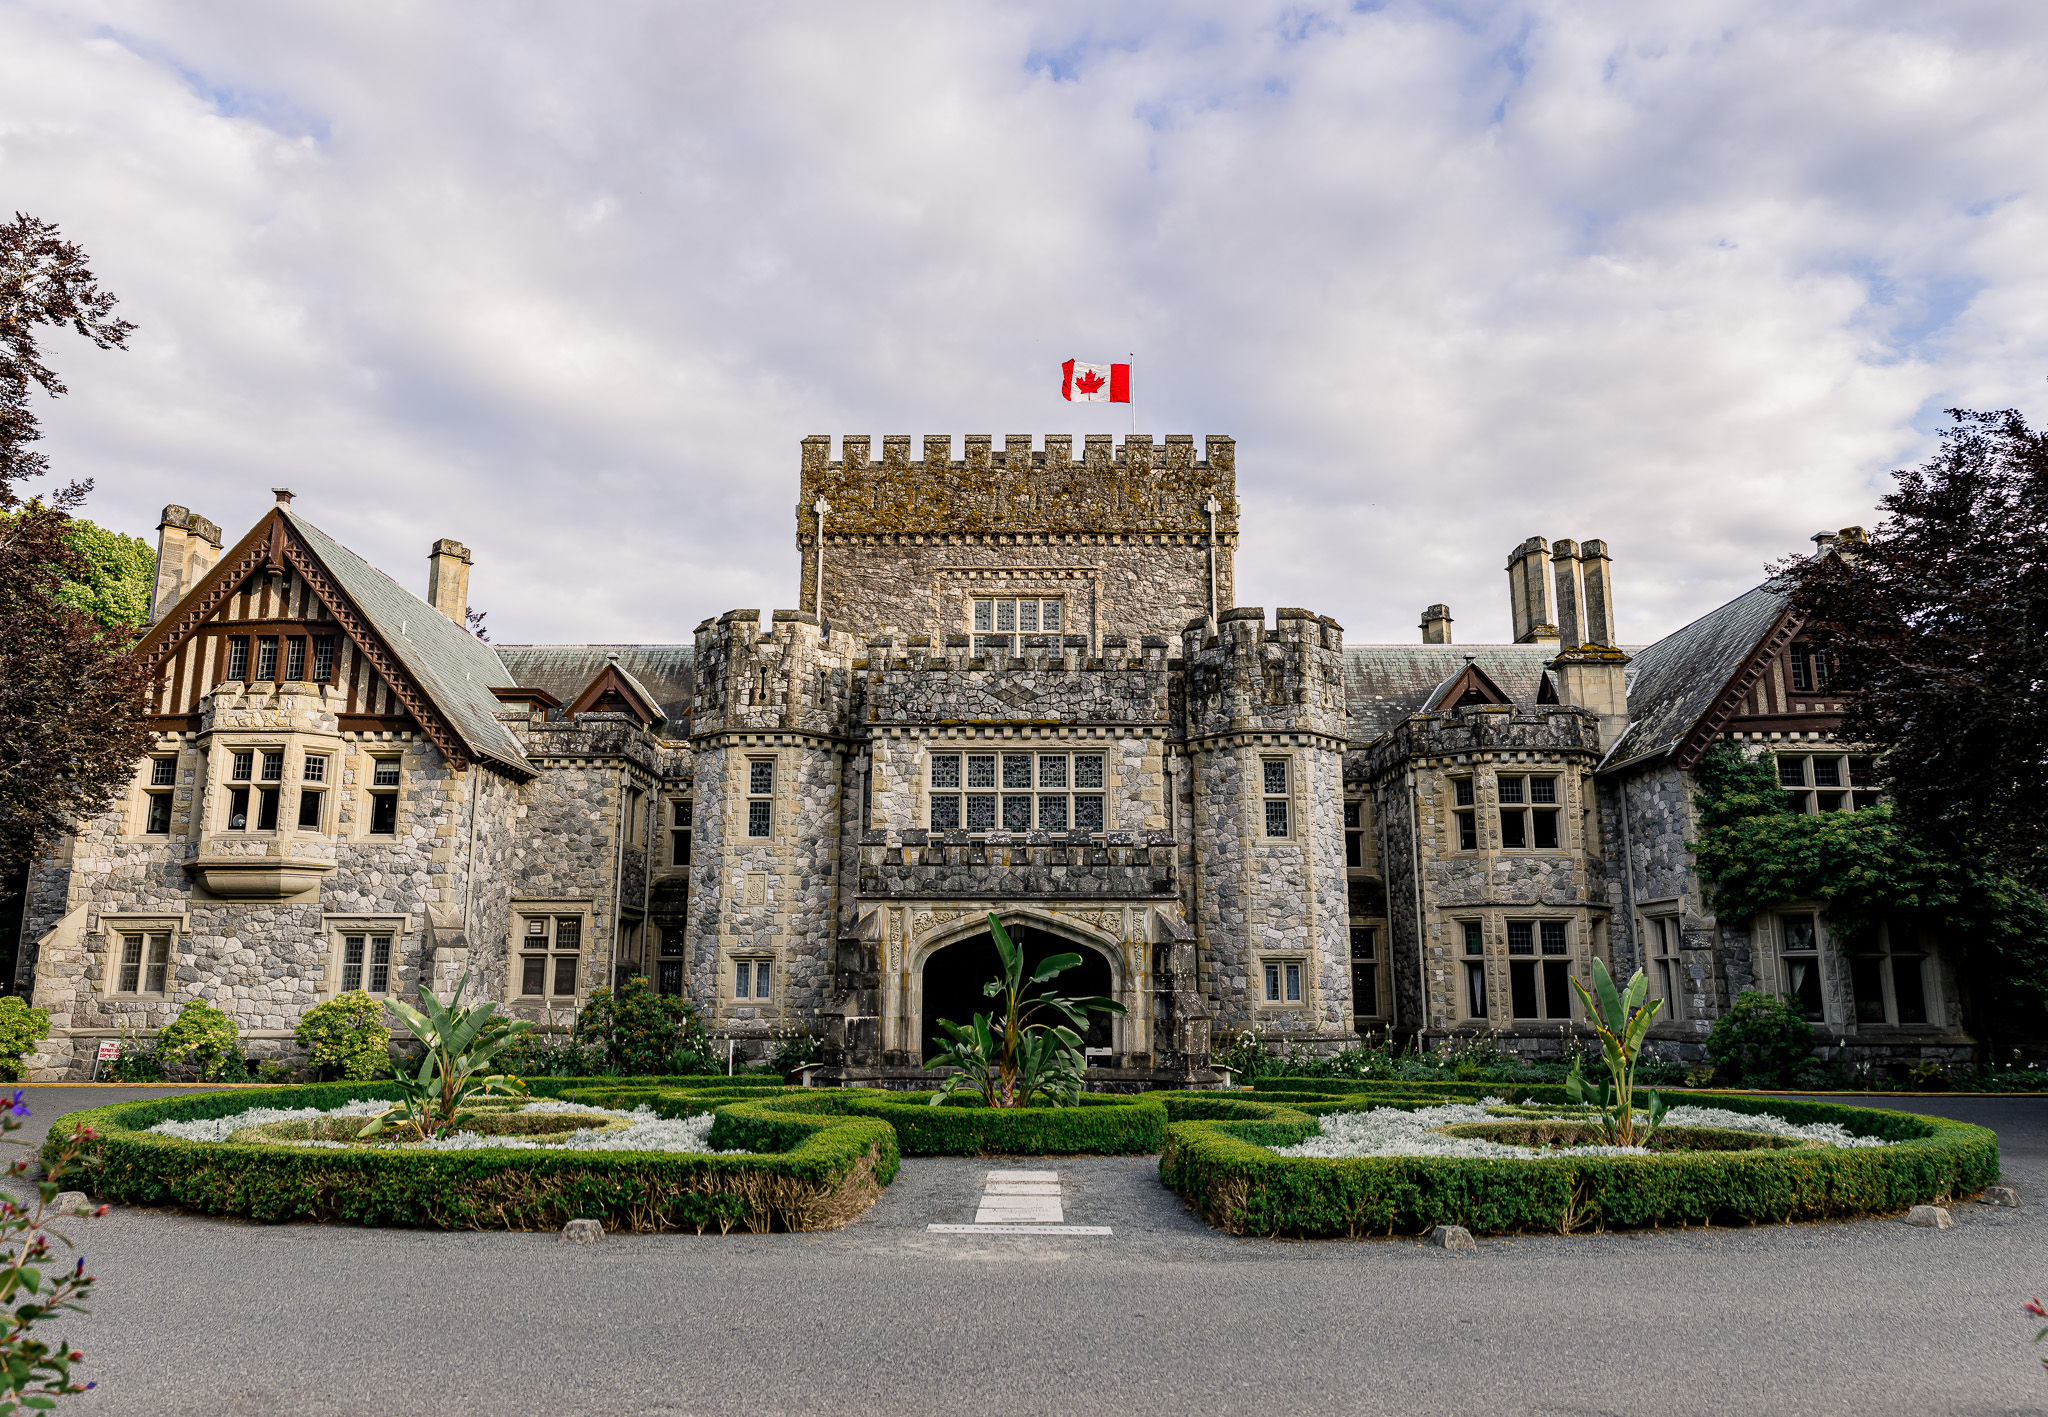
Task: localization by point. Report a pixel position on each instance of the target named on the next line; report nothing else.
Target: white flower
(647, 1131)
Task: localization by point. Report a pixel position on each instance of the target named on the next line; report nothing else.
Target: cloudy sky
(569, 282)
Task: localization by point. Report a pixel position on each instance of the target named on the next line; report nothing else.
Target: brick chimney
(187, 547)
(448, 580)
(1436, 625)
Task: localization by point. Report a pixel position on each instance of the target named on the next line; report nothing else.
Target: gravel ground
(198, 1315)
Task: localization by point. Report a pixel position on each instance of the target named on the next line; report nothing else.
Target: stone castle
(1016, 682)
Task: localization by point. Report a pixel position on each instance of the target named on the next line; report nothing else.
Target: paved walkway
(1163, 1315)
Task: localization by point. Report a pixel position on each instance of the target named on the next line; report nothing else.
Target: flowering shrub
(205, 1037)
(21, 1028)
(346, 1036)
(34, 1373)
(644, 1033)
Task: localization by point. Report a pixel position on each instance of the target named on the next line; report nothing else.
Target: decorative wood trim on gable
(610, 681)
(1471, 680)
(271, 545)
(1710, 725)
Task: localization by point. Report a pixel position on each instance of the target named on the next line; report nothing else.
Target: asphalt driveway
(1164, 1315)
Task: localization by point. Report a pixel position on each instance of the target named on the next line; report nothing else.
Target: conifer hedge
(962, 1126)
(1217, 1157)
(816, 1172)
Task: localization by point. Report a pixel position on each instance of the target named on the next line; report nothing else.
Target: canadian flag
(1095, 383)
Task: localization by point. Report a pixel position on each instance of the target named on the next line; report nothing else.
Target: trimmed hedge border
(1103, 1125)
(1217, 1159)
(822, 1171)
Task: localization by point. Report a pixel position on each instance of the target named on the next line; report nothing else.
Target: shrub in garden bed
(1220, 1159)
(810, 1172)
(964, 1126)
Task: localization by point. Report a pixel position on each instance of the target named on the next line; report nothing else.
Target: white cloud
(569, 283)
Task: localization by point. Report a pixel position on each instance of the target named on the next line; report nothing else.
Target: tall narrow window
(1468, 821)
(241, 768)
(1354, 835)
(323, 658)
(1365, 971)
(384, 775)
(1802, 670)
(1662, 934)
(295, 657)
(682, 818)
(266, 657)
(1799, 948)
(1514, 821)
(238, 657)
(163, 773)
(1274, 772)
(761, 797)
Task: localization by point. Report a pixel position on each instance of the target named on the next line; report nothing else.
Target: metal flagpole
(1134, 391)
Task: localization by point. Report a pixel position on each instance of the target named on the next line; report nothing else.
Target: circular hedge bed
(1103, 1125)
(1219, 1157)
(805, 1171)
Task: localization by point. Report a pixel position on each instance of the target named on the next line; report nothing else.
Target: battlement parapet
(1045, 684)
(1135, 486)
(590, 735)
(1485, 730)
(1242, 676)
(798, 676)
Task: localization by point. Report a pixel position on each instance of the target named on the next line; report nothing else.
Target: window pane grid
(1036, 793)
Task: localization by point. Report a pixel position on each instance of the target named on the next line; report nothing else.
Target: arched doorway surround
(1103, 970)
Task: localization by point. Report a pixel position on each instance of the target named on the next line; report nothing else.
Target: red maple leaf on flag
(1089, 382)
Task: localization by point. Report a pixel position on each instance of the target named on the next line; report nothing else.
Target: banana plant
(460, 1043)
(1007, 1056)
(1622, 1020)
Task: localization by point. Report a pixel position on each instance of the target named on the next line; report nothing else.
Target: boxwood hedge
(961, 1126)
(817, 1173)
(1217, 1157)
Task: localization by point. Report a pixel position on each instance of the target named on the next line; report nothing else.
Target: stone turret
(1244, 677)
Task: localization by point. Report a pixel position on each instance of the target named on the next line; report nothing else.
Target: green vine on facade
(1862, 867)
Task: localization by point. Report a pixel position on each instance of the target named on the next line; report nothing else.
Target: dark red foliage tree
(1939, 626)
(72, 699)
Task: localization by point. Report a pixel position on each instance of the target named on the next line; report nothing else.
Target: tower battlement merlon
(1133, 485)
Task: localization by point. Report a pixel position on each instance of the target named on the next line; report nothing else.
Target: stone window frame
(1883, 954)
(760, 805)
(1528, 809)
(335, 930)
(114, 931)
(323, 786)
(760, 964)
(1540, 953)
(1375, 962)
(555, 910)
(964, 794)
(1662, 960)
(1475, 987)
(373, 790)
(682, 830)
(1083, 601)
(1286, 799)
(1354, 833)
(980, 635)
(223, 758)
(1783, 961)
(1274, 969)
(1464, 811)
(156, 781)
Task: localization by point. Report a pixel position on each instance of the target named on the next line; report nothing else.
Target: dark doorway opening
(955, 975)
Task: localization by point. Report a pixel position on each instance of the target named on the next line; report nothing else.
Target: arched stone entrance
(954, 975)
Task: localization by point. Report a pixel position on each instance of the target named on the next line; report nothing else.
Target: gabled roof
(1467, 687)
(1383, 684)
(1681, 678)
(664, 673)
(438, 670)
(612, 680)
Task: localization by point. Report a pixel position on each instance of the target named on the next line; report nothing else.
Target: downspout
(1393, 995)
(1421, 934)
(611, 978)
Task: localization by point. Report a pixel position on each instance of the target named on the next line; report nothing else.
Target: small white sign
(110, 1049)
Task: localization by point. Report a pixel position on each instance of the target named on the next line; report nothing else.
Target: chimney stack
(448, 580)
(1596, 580)
(187, 547)
(1436, 625)
(1529, 592)
(1564, 561)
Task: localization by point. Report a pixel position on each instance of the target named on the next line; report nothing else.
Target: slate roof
(452, 667)
(1383, 684)
(1678, 678)
(664, 673)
